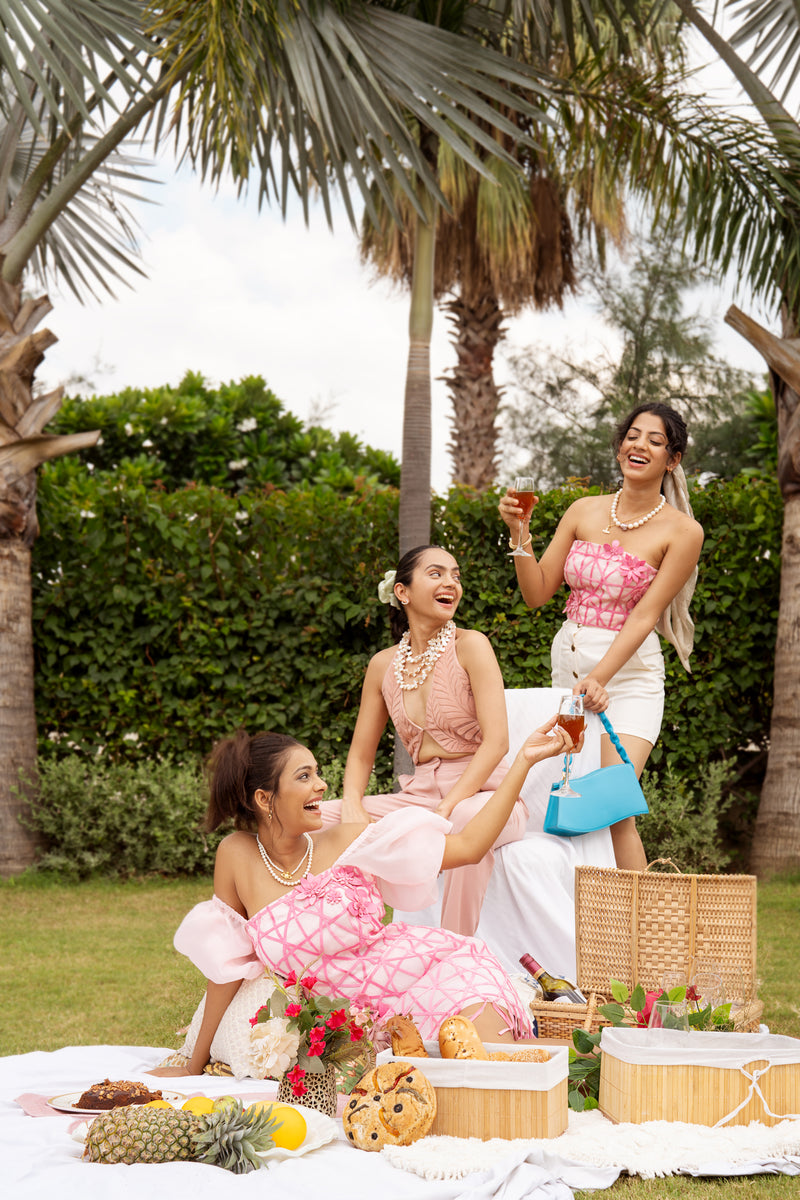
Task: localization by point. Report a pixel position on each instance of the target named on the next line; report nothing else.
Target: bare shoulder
(379, 663)
(686, 528)
(235, 844)
(472, 646)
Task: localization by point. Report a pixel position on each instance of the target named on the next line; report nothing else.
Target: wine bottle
(552, 988)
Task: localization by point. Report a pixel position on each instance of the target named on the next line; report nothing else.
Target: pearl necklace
(625, 525)
(281, 876)
(419, 666)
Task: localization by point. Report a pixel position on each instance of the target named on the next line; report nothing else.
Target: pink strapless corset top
(605, 583)
(450, 715)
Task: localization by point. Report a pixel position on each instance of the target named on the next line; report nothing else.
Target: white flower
(130, 737)
(273, 1047)
(386, 590)
(237, 464)
(128, 428)
(240, 516)
(86, 512)
(164, 421)
(99, 441)
(147, 443)
(247, 425)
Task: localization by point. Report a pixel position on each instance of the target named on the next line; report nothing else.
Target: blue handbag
(607, 795)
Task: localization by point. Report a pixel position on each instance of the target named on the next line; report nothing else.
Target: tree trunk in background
(776, 841)
(478, 327)
(17, 714)
(23, 447)
(415, 471)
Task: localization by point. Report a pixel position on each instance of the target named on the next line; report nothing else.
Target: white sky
(232, 292)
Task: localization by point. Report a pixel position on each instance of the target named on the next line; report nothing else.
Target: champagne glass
(522, 492)
(571, 718)
(669, 1014)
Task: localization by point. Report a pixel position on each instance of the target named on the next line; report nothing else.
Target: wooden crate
(496, 1099)
(697, 1077)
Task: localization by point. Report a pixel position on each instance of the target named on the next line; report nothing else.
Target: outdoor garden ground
(92, 963)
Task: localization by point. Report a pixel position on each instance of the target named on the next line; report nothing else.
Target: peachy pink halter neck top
(450, 717)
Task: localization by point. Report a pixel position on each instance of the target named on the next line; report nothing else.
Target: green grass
(93, 964)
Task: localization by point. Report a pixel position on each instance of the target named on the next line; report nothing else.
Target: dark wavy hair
(398, 621)
(237, 767)
(674, 426)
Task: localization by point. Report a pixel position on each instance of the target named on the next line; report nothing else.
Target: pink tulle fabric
(332, 924)
(605, 583)
(450, 715)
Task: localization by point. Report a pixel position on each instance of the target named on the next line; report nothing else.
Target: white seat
(530, 902)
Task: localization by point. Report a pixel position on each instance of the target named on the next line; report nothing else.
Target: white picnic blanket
(41, 1158)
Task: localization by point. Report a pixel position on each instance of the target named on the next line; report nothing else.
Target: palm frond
(772, 29)
(61, 57)
(728, 182)
(298, 80)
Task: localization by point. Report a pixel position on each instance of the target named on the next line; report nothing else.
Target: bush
(684, 819)
(124, 819)
(179, 616)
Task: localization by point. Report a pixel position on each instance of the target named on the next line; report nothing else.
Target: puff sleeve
(214, 936)
(403, 852)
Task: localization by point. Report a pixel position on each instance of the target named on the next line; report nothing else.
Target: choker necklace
(419, 666)
(625, 525)
(281, 876)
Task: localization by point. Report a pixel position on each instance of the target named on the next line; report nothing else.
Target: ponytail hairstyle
(398, 621)
(237, 767)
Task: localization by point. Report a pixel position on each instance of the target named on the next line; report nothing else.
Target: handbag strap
(618, 746)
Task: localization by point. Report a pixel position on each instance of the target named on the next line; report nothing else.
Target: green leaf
(619, 991)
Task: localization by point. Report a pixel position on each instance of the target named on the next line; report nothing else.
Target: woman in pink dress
(630, 561)
(292, 896)
(442, 688)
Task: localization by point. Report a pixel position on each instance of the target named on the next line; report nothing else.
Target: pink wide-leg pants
(465, 887)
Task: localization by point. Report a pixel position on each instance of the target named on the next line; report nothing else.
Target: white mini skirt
(636, 691)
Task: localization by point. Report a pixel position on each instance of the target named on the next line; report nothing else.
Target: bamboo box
(496, 1099)
(698, 1077)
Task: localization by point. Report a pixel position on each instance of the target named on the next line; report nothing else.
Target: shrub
(684, 819)
(124, 819)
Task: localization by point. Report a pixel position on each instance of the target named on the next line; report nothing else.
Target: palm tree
(772, 30)
(297, 94)
(505, 238)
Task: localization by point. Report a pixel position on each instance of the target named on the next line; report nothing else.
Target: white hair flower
(386, 590)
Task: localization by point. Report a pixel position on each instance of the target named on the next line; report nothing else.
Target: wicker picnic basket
(636, 925)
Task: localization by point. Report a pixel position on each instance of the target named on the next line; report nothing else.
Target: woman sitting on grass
(288, 894)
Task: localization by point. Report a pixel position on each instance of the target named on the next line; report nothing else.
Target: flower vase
(320, 1091)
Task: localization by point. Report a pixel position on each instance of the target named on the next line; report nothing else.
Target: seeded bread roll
(392, 1105)
(458, 1038)
(531, 1054)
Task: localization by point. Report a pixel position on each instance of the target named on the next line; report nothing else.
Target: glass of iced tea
(522, 491)
(570, 718)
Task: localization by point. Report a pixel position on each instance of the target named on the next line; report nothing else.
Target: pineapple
(230, 1138)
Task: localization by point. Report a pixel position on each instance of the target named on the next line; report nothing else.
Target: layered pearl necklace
(419, 666)
(625, 525)
(281, 876)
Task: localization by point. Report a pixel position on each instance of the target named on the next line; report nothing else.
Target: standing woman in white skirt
(630, 561)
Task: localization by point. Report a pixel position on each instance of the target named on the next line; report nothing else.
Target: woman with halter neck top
(442, 688)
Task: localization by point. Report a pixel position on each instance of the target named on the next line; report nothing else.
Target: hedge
(166, 619)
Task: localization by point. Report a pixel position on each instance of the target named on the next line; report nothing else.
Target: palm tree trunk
(776, 840)
(17, 715)
(23, 447)
(478, 327)
(415, 473)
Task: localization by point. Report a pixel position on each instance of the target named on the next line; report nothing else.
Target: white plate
(319, 1131)
(68, 1103)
